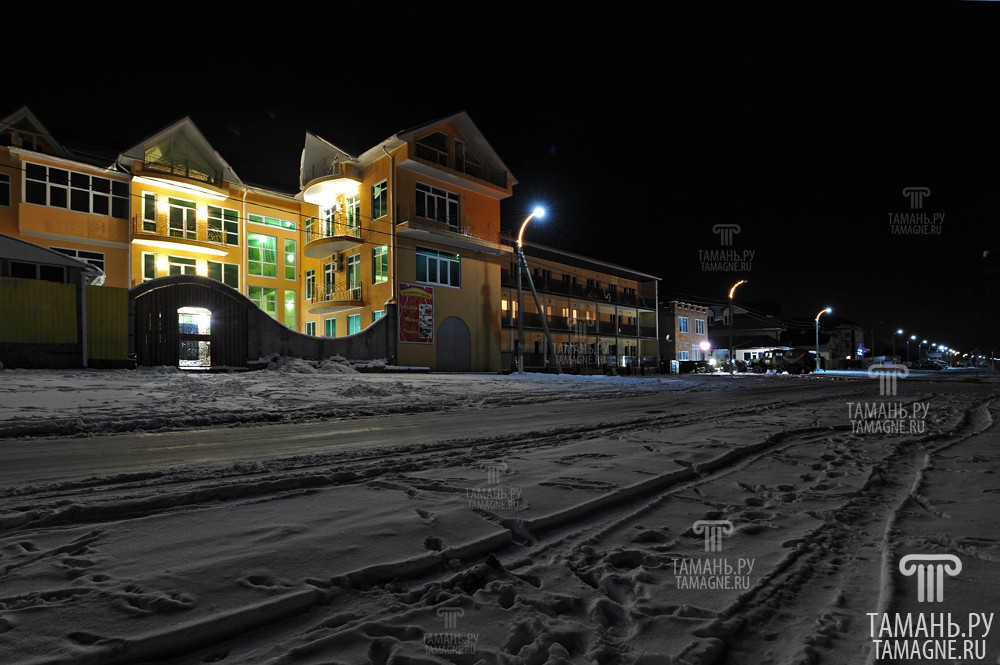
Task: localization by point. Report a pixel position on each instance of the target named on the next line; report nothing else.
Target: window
(262, 258)
(329, 279)
(182, 219)
(272, 221)
(223, 225)
(60, 188)
(311, 328)
(467, 161)
(95, 259)
(437, 204)
(289, 259)
(266, 298)
(4, 190)
(433, 148)
(354, 214)
(380, 200)
(380, 264)
(310, 284)
(353, 323)
(179, 266)
(148, 266)
(354, 276)
(149, 213)
(683, 355)
(682, 324)
(329, 327)
(290, 309)
(435, 267)
(227, 273)
(377, 314)
(699, 326)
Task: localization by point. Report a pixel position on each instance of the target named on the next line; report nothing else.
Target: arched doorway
(454, 346)
(194, 331)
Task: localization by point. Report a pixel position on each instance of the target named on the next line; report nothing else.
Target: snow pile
(331, 365)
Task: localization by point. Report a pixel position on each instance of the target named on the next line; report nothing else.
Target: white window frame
(75, 253)
(350, 318)
(427, 253)
(683, 324)
(326, 327)
(699, 326)
(143, 266)
(311, 328)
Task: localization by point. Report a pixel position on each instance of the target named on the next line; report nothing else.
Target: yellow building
(413, 222)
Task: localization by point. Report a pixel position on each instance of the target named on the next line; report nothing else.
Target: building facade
(413, 221)
(601, 316)
(684, 331)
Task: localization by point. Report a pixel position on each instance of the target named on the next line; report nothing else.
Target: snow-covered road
(521, 520)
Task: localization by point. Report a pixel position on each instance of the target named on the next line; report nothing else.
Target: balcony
(329, 179)
(326, 237)
(329, 301)
(459, 233)
(196, 238)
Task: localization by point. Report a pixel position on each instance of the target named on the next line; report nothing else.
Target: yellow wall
(107, 323)
(37, 312)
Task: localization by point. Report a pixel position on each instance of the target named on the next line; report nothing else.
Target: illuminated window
(266, 298)
(262, 258)
(380, 200)
(329, 327)
(223, 225)
(682, 324)
(438, 204)
(182, 219)
(272, 221)
(149, 213)
(290, 309)
(436, 267)
(311, 328)
(227, 273)
(380, 264)
(353, 324)
(310, 284)
(377, 314)
(289, 259)
(354, 275)
(148, 266)
(699, 326)
(181, 266)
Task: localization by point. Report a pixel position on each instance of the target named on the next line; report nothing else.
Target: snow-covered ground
(318, 515)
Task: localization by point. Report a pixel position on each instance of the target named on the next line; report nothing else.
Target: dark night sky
(640, 131)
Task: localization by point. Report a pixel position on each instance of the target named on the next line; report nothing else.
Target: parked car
(793, 361)
(694, 367)
(928, 364)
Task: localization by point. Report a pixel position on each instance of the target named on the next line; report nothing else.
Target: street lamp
(828, 310)
(920, 351)
(732, 318)
(912, 338)
(537, 212)
(899, 331)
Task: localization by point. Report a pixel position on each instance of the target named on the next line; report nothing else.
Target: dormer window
(433, 148)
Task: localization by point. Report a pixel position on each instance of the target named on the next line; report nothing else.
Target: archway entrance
(454, 346)
(194, 331)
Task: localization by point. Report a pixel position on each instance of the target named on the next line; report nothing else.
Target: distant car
(928, 364)
(694, 367)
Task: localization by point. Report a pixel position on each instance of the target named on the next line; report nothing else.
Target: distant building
(683, 331)
(602, 316)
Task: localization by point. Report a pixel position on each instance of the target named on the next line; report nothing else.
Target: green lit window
(311, 328)
(272, 221)
(310, 284)
(266, 298)
(353, 323)
(148, 266)
(262, 258)
(290, 309)
(380, 264)
(181, 266)
(289, 259)
(330, 327)
(377, 314)
(149, 213)
(182, 219)
(380, 200)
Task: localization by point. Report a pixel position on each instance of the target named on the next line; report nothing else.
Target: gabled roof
(29, 252)
(466, 127)
(187, 127)
(316, 151)
(29, 128)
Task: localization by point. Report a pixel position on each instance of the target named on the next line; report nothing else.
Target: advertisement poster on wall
(416, 313)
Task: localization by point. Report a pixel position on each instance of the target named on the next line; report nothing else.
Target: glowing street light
(732, 318)
(899, 331)
(522, 266)
(828, 310)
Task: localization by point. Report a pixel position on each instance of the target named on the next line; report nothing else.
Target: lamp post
(921, 354)
(912, 337)
(899, 331)
(873, 336)
(732, 319)
(522, 266)
(827, 310)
